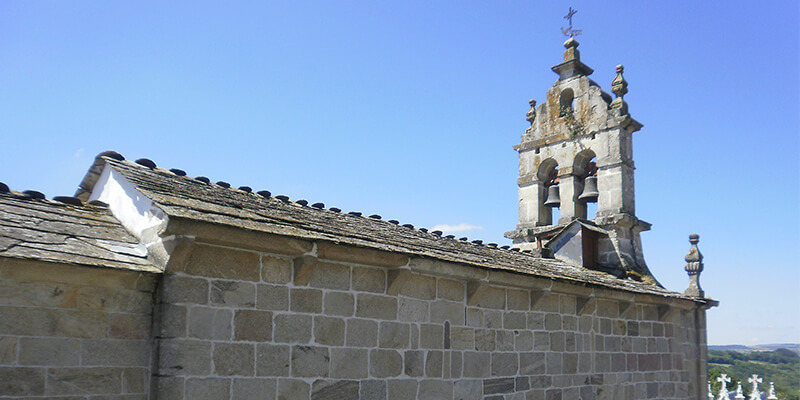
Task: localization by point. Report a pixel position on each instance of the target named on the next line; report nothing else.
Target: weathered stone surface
(8, 349)
(498, 385)
(48, 351)
(462, 338)
(308, 270)
(258, 388)
(361, 333)
(523, 341)
(450, 289)
(105, 352)
(224, 263)
(184, 357)
(329, 331)
(385, 363)
(484, 339)
(514, 320)
(393, 335)
(21, 381)
(112, 299)
(310, 361)
(291, 389)
(492, 319)
(207, 388)
(349, 363)
(552, 322)
(456, 364)
(292, 328)
(360, 255)
(409, 284)
(135, 380)
(169, 387)
(272, 360)
(431, 336)
(468, 389)
(433, 364)
(252, 325)
(129, 326)
(443, 310)
(485, 296)
(401, 389)
(369, 279)
(234, 359)
(378, 307)
(68, 381)
(518, 299)
(504, 364)
(276, 270)
(373, 389)
(414, 363)
(334, 390)
(435, 389)
(339, 304)
(210, 323)
(170, 321)
(412, 310)
(233, 294)
(180, 289)
(477, 364)
(306, 300)
(474, 317)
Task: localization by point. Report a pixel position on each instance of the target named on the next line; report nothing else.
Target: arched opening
(550, 195)
(585, 168)
(566, 103)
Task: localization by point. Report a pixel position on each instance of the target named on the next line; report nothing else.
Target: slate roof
(49, 230)
(198, 199)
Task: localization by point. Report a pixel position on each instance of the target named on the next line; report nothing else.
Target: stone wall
(74, 331)
(301, 320)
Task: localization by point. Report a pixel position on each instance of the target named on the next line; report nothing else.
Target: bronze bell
(553, 197)
(590, 193)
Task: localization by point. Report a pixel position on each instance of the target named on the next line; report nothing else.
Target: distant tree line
(781, 366)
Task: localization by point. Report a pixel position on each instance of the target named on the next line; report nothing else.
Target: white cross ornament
(755, 394)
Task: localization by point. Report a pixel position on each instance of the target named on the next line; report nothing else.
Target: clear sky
(409, 109)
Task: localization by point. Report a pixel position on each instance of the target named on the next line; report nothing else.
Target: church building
(152, 284)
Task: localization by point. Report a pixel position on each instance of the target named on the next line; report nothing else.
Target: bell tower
(578, 150)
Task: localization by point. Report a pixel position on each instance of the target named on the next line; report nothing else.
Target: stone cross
(755, 394)
(723, 391)
(694, 266)
(772, 395)
(739, 393)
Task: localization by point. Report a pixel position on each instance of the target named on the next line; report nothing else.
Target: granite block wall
(335, 322)
(71, 332)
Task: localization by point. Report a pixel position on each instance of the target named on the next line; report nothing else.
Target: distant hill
(781, 366)
(795, 347)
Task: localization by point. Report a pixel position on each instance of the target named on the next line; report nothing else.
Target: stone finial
(739, 392)
(755, 394)
(530, 116)
(723, 390)
(620, 88)
(710, 393)
(772, 395)
(694, 266)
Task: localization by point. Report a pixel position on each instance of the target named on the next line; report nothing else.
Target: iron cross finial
(568, 31)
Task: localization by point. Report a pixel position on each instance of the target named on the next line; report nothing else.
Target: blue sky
(409, 110)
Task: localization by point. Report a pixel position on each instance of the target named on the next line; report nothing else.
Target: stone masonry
(74, 331)
(320, 321)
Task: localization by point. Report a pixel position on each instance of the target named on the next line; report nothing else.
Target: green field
(781, 366)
